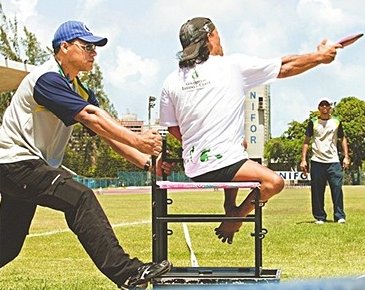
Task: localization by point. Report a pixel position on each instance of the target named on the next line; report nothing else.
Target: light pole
(151, 104)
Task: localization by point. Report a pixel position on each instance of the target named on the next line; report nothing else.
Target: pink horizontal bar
(194, 185)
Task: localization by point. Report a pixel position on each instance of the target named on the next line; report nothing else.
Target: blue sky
(143, 42)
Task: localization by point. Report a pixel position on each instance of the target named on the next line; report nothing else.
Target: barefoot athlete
(202, 104)
(35, 130)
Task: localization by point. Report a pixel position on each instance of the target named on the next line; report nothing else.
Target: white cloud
(22, 9)
(90, 5)
(320, 16)
(267, 40)
(143, 40)
(132, 69)
(171, 10)
(170, 15)
(320, 11)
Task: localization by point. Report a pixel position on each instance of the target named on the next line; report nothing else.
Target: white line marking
(193, 259)
(54, 180)
(60, 231)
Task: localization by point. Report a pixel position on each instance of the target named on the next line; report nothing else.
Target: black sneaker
(145, 273)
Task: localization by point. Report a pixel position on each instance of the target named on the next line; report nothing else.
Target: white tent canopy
(12, 73)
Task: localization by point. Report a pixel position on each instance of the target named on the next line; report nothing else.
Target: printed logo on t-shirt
(194, 83)
(204, 155)
(195, 75)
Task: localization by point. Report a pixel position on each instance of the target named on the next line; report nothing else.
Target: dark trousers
(26, 184)
(321, 173)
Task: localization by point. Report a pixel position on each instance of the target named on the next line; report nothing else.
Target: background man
(325, 164)
(202, 104)
(35, 130)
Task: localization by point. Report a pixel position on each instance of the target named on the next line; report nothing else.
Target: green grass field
(52, 257)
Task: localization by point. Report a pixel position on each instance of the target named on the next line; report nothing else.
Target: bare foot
(226, 230)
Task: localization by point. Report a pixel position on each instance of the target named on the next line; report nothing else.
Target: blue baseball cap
(76, 29)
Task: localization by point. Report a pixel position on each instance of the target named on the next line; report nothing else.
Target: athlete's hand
(163, 166)
(327, 50)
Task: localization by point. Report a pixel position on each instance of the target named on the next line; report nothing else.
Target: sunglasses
(89, 47)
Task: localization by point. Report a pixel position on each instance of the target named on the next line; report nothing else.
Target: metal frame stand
(205, 275)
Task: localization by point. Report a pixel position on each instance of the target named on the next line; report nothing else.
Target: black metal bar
(159, 228)
(201, 276)
(258, 227)
(203, 218)
(155, 214)
(159, 251)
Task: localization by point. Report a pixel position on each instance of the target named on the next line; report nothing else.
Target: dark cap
(326, 102)
(193, 35)
(76, 29)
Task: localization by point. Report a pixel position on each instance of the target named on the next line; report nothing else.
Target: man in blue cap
(36, 128)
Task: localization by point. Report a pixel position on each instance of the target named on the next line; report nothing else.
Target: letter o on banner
(253, 128)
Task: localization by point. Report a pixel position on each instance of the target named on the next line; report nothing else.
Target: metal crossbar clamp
(163, 132)
(261, 233)
(261, 203)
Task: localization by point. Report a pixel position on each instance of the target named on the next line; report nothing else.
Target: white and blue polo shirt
(39, 120)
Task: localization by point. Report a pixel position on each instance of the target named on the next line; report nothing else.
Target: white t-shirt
(207, 103)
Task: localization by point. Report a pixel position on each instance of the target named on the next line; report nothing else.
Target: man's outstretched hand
(150, 142)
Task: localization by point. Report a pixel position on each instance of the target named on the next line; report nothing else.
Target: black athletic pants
(26, 184)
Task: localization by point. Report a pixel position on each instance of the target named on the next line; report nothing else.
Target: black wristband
(147, 165)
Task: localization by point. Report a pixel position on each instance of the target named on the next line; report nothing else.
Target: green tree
(34, 53)
(296, 130)
(175, 151)
(9, 41)
(4, 103)
(351, 111)
(283, 152)
(20, 48)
